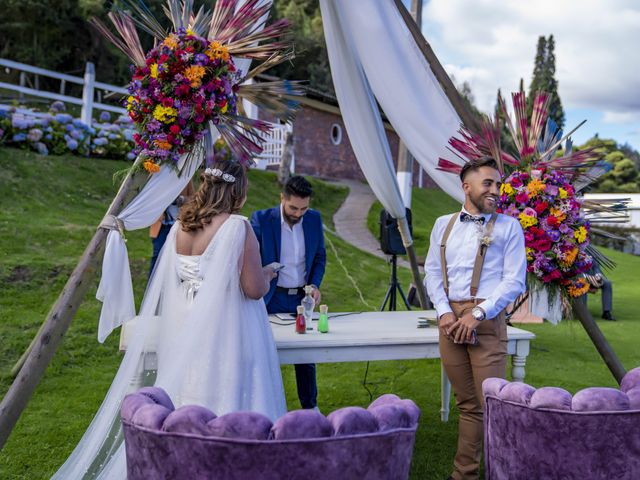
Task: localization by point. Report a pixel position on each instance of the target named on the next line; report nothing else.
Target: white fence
(275, 140)
(274, 146)
(90, 87)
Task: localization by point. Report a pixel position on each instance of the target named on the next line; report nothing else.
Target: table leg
(519, 360)
(445, 395)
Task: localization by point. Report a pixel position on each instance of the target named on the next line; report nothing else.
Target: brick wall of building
(316, 154)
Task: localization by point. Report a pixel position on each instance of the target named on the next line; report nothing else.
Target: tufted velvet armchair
(192, 443)
(547, 433)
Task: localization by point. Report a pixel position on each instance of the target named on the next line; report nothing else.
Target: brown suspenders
(480, 255)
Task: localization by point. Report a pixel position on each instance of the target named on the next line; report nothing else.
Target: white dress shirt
(292, 254)
(503, 274)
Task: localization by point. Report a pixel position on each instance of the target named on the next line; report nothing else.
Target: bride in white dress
(204, 316)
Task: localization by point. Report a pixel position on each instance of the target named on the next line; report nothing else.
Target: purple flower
(63, 118)
(35, 134)
(131, 156)
(72, 144)
(554, 235)
(19, 137)
(105, 116)
(153, 125)
(58, 107)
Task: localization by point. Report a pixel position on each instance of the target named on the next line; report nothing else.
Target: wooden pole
(407, 241)
(438, 71)
(59, 318)
(597, 337)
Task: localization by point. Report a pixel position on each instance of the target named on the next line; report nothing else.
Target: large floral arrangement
(189, 85)
(185, 82)
(541, 189)
(555, 230)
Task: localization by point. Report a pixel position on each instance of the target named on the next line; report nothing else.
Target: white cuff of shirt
(488, 306)
(443, 308)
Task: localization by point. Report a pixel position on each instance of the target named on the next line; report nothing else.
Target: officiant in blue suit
(291, 234)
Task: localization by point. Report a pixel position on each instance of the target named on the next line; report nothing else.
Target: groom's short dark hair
(297, 186)
(477, 164)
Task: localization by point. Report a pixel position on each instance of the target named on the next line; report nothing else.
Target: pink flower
(522, 197)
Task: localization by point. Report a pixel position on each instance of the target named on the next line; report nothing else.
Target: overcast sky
(492, 43)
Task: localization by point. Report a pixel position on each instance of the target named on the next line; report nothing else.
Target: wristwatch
(478, 314)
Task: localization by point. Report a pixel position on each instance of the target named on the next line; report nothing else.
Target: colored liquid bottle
(301, 324)
(323, 321)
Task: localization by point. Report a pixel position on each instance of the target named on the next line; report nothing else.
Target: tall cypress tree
(538, 71)
(556, 112)
(544, 72)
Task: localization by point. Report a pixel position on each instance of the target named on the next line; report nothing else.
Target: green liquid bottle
(323, 321)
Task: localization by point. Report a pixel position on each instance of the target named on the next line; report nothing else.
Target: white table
(368, 336)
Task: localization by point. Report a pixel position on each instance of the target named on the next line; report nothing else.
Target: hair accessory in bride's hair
(216, 172)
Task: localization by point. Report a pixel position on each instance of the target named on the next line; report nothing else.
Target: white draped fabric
(116, 290)
(359, 110)
(372, 52)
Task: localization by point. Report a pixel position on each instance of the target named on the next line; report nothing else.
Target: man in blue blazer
(291, 234)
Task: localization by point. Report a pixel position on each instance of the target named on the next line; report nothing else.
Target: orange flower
(195, 73)
(151, 167)
(578, 288)
(163, 144)
(217, 50)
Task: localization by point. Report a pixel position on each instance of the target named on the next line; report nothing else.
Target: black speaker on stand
(391, 244)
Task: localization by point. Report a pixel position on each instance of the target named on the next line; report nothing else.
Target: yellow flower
(506, 188)
(535, 186)
(563, 193)
(559, 214)
(171, 41)
(195, 73)
(190, 32)
(151, 167)
(154, 70)
(131, 102)
(164, 114)
(526, 221)
(580, 235)
(225, 108)
(529, 254)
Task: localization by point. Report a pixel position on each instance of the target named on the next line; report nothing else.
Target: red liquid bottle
(301, 324)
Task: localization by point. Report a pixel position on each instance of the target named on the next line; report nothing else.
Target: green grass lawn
(50, 207)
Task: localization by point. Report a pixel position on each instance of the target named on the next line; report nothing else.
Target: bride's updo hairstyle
(223, 189)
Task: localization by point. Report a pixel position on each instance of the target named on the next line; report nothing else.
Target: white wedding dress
(214, 348)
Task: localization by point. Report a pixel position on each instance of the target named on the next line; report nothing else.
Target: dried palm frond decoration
(189, 85)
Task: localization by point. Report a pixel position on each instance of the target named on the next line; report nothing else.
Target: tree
(624, 175)
(312, 61)
(544, 79)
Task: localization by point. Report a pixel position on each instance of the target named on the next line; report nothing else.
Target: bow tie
(465, 217)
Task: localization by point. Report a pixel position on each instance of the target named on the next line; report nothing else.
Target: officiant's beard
(291, 220)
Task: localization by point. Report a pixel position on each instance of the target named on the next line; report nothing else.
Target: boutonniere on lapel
(484, 239)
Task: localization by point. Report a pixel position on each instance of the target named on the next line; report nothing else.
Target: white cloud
(492, 43)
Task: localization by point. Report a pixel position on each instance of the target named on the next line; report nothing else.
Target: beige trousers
(467, 366)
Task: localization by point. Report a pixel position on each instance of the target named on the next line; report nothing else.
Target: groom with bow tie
(475, 267)
(291, 234)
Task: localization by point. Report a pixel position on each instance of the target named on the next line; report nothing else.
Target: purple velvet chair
(192, 443)
(547, 433)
